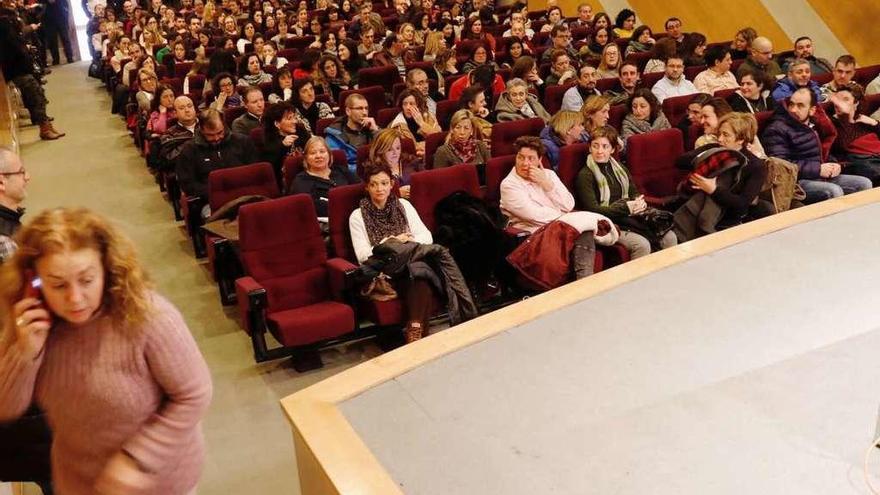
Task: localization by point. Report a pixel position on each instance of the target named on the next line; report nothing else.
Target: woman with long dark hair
(310, 110)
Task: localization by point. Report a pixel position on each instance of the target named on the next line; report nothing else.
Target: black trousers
(52, 30)
(33, 96)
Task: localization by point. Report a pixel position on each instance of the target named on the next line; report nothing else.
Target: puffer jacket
(797, 142)
(553, 143)
(785, 88)
(507, 112)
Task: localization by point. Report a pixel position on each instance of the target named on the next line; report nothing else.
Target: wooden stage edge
(333, 460)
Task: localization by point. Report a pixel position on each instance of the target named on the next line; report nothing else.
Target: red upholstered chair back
(871, 104)
(293, 165)
(323, 124)
(385, 116)
(651, 160)
(299, 42)
(342, 201)
(724, 94)
(227, 184)
(282, 249)
(865, 75)
(432, 142)
(181, 68)
(691, 72)
(675, 108)
(233, 113)
(606, 83)
(572, 159)
(385, 77)
(258, 136)
(640, 59)
(651, 78)
(375, 96)
(196, 83)
(694, 133)
(822, 78)
(616, 116)
(496, 170)
(430, 186)
(445, 109)
(505, 133)
(553, 96)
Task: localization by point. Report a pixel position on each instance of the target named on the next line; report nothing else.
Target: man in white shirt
(574, 98)
(674, 82)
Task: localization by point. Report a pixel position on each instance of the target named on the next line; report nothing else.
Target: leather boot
(583, 255)
(48, 132)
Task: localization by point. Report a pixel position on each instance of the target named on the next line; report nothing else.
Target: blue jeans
(822, 189)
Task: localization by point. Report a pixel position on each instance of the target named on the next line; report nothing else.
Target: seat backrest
(196, 82)
(282, 248)
(616, 116)
(430, 186)
(606, 83)
(181, 68)
(323, 124)
(375, 96)
(299, 42)
(640, 59)
(651, 160)
(572, 159)
(651, 78)
(432, 142)
(227, 184)
(724, 94)
(694, 133)
(871, 104)
(505, 133)
(865, 75)
(496, 170)
(386, 77)
(386, 115)
(553, 96)
(675, 108)
(763, 119)
(293, 165)
(342, 201)
(290, 54)
(445, 109)
(232, 113)
(691, 72)
(258, 136)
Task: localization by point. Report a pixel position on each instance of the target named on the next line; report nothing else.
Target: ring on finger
(20, 322)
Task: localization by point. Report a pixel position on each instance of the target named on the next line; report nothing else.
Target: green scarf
(602, 181)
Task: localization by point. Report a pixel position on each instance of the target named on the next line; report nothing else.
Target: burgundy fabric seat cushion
(383, 313)
(313, 323)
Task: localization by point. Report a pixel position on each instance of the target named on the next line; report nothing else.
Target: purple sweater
(103, 391)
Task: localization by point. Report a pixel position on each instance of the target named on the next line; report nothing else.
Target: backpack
(781, 186)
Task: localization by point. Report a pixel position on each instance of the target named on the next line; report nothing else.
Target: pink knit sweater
(103, 391)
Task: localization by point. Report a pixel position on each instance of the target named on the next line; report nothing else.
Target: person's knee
(637, 245)
(668, 240)
(856, 183)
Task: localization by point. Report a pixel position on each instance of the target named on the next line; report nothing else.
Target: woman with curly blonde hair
(111, 362)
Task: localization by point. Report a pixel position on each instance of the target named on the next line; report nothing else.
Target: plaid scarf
(385, 222)
(466, 150)
(602, 181)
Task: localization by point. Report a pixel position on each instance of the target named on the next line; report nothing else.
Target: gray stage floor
(752, 370)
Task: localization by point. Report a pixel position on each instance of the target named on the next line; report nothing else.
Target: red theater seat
(651, 161)
(430, 186)
(505, 133)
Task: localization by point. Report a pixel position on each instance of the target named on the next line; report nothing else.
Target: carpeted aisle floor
(96, 166)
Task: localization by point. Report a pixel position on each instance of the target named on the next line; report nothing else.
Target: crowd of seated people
(407, 86)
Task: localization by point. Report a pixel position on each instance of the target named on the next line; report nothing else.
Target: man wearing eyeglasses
(561, 37)
(13, 184)
(761, 60)
(353, 130)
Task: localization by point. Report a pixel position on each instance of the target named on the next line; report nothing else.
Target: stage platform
(744, 362)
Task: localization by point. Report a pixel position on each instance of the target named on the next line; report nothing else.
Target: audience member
(606, 187)
(673, 82)
(353, 130)
(564, 128)
(626, 85)
(717, 76)
(464, 142)
(284, 133)
(415, 117)
(858, 136)
(387, 151)
(417, 80)
(803, 50)
(309, 109)
(561, 70)
(644, 115)
(790, 135)
(693, 50)
(609, 64)
(844, 70)
(742, 43)
(574, 97)
(798, 77)
(642, 41)
(760, 60)
(13, 191)
(673, 29)
(320, 174)
(517, 103)
(254, 105)
(663, 49)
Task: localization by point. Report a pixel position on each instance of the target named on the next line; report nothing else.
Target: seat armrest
(341, 273)
(252, 301)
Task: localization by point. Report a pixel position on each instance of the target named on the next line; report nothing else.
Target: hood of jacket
(505, 104)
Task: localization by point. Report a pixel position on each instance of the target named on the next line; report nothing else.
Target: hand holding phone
(32, 320)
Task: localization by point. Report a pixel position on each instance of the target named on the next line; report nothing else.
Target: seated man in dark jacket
(213, 147)
(790, 135)
(184, 129)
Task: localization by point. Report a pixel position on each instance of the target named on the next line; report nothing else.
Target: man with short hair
(673, 82)
(183, 130)
(560, 68)
(673, 29)
(561, 38)
(352, 131)
(760, 59)
(254, 105)
(213, 147)
(803, 49)
(575, 97)
(844, 70)
(799, 74)
(417, 80)
(394, 54)
(367, 48)
(366, 17)
(13, 190)
(584, 18)
(790, 135)
(627, 83)
(519, 30)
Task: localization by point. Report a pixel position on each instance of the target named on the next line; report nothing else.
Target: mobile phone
(33, 286)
